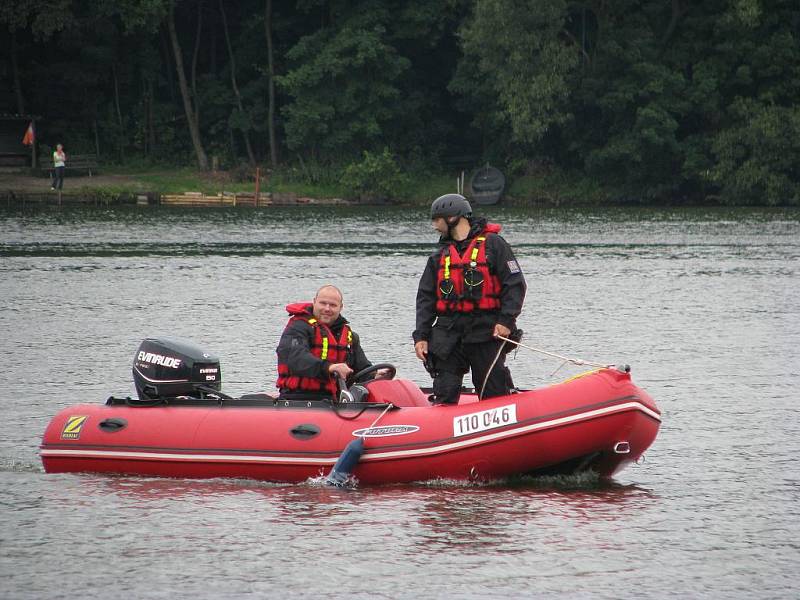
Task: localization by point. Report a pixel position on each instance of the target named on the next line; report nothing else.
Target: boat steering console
(358, 392)
(362, 375)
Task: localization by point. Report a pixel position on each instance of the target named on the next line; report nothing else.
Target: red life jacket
(324, 346)
(464, 282)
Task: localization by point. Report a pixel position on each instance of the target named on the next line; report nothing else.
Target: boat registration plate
(484, 420)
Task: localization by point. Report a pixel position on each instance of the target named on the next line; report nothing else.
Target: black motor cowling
(167, 367)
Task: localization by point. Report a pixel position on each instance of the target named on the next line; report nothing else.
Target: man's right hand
(421, 348)
(340, 369)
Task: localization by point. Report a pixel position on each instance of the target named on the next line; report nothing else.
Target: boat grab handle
(622, 448)
(113, 424)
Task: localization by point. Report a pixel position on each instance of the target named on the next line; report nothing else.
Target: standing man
(59, 164)
(472, 290)
(316, 347)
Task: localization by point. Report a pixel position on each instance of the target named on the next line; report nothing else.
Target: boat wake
(350, 483)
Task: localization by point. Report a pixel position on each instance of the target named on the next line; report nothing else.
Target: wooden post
(258, 183)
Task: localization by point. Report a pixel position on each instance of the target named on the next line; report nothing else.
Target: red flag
(28, 139)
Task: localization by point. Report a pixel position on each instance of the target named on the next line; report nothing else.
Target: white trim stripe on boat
(488, 437)
(516, 431)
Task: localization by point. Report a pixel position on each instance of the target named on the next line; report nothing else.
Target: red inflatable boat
(599, 421)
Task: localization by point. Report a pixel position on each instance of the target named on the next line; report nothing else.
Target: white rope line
(565, 359)
(375, 422)
(489, 372)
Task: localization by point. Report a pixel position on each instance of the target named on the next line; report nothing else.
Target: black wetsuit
(460, 341)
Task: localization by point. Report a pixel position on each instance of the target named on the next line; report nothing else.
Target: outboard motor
(168, 367)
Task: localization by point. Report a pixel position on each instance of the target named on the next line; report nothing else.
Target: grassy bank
(119, 180)
(551, 188)
(556, 189)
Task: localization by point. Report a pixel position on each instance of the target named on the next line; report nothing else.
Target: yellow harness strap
(475, 250)
(313, 321)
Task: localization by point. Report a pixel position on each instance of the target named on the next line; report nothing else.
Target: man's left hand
(501, 330)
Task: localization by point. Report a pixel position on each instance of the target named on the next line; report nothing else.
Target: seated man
(316, 346)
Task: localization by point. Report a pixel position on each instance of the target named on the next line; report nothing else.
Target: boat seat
(400, 392)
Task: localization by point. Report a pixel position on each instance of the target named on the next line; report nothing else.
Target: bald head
(328, 303)
(330, 288)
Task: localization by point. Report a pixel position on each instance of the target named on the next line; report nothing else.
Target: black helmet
(450, 205)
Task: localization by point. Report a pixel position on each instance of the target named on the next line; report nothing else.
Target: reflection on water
(701, 302)
(466, 519)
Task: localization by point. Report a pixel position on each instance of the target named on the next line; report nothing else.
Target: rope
(489, 372)
(375, 422)
(565, 359)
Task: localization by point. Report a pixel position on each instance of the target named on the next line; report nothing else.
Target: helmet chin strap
(451, 223)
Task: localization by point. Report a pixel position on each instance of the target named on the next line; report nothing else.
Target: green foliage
(45, 18)
(633, 106)
(557, 188)
(758, 156)
(311, 172)
(342, 85)
(422, 187)
(282, 182)
(143, 177)
(376, 177)
(515, 58)
(743, 145)
(654, 100)
(102, 194)
(135, 15)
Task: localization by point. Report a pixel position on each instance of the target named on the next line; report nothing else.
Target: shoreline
(190, 199)
(21, 187)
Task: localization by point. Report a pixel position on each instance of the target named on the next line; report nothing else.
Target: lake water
(703, 303)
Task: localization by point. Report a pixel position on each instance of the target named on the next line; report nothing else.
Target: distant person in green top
(59, 163)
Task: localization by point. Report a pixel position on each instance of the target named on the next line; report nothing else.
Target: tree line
(656, 99)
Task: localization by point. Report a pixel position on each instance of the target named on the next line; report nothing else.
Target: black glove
(516, 336)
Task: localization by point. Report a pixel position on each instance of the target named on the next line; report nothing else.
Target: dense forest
(655, 99)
